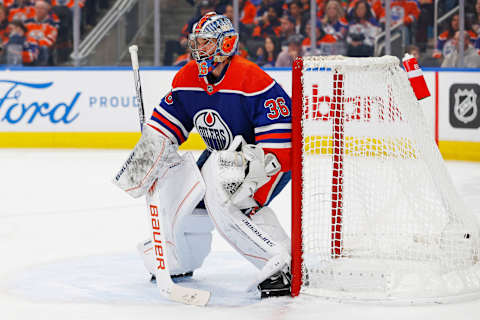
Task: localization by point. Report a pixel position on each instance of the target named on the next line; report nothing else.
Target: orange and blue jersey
(338, 29)
(445, 44)
(68, 3)
(29, 47)
(406, 11)
(368, 28)
(8, 3)
(30, 50)
(245, 101)
(45, 32)
(22, 13)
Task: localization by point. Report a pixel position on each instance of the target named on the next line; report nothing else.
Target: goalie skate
(277, 285)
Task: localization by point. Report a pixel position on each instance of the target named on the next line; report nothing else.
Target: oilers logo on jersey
(213, 129)
(169, 98)
(36, 34)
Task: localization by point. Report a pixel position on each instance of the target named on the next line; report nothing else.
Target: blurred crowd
(274, 32)
(40, 32)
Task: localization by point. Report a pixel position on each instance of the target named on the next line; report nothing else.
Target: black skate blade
(264, 294)
(182, 275)
(276, 286)
(189, 274)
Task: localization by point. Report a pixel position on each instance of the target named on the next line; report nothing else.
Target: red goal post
(337, 172)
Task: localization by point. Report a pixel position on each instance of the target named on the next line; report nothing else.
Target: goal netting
(375, 214)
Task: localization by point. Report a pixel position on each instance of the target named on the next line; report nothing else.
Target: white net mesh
(381, 219)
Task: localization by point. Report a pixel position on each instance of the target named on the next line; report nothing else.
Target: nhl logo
(464, 103)
(213, 129)
(465, 107)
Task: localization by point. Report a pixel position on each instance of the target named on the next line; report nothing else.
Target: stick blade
(190, 296)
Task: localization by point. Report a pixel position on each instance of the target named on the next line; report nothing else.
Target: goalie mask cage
(375, 216)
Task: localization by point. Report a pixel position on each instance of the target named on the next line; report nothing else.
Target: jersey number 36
(277, 108)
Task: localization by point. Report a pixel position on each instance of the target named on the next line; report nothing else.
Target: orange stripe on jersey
(156, 129)
(169, 125)
(273, 136)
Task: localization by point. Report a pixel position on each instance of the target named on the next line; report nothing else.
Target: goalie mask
(213, 39)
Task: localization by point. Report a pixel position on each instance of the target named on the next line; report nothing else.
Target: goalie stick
(138, 85)
(167, 287)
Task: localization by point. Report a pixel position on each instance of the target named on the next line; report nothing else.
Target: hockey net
(375, 214)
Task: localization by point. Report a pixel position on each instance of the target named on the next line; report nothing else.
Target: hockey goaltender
(244, 118)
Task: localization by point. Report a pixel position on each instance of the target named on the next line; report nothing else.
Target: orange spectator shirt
(262, 31)
(248, 13)
(328, 38)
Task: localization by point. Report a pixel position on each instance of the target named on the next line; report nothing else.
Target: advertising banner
(459, 102)
(88, 107)
(75, 101)
(94, 100)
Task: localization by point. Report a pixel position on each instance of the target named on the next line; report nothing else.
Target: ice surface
(67, 251)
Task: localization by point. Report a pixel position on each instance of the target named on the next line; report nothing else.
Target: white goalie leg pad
(145, 249)
(245, 236)
(187, 231)
(151, 154)
(266, 219)
(158, 224)
(193, 240)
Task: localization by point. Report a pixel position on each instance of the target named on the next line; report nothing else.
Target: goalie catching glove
(152, 155)
(245, 171)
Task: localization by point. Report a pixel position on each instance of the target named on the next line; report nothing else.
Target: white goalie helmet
(213, 39)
